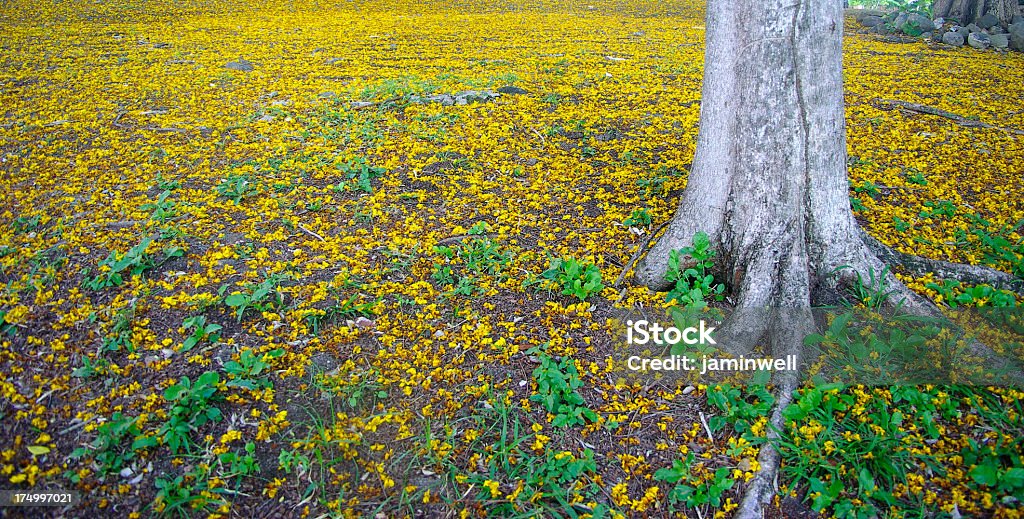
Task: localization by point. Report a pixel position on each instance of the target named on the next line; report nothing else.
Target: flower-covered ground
(298, 290)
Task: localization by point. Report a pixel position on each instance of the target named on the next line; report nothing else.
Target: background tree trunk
(968, 11)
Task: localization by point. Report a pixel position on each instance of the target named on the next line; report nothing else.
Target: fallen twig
(311, 233)
(460, 237)
(959, 119)
(707, 428)
(164, 130)
(74, 427)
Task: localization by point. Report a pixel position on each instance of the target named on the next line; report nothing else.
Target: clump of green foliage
(693, 286)
(576, 278)
(557, 385)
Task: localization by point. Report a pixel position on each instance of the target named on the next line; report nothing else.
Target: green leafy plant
(135, 262)
(558, 469)
(690, 488)
(857, 205)
(240, 464)
(849, 452)
(89, 369)
(24, 224)
(200, 331)
(538, 483)
(869, 188)
(557, 385)
(995, 243)
(874, 292)
(6, 328)
(574, 277)
(164, 184)
(914, 176)
(900, 224)
(938, 209)
(954, 293)
(245, 372)
(652, 186)
(994, 467)
(191, 407)
(358, 390)
(738, 408)
(263, 296)
(108, 449)
(638, 218)
(163, 209)
(236, 187)
(187, 494)
(119, 336)
(462, 264)
(361, 173)
(343, 309)
(692, 286)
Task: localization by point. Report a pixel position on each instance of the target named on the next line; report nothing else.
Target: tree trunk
(966, 12)
(769, 183)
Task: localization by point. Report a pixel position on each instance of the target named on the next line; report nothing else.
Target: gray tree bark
(967, 11)
(769, 182)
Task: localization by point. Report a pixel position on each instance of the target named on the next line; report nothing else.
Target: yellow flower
(493, 487)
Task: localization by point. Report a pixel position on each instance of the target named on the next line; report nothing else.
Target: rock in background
(986, 32)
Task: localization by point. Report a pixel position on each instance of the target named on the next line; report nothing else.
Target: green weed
(200, 332)
(557, 385)
(360, 174)
(236, 187)
(191, 407)
(262, 297)
(108, 449)
(693, 286)
(245, 372)
(575, 278)
(638, 218)
(163, 209)
(690, 488)
(135, 262)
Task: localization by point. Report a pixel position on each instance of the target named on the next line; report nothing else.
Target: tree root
(786, 339)
(970, 274)
(962, 121)
(640, 250)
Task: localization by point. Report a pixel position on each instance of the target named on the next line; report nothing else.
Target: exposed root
(791, 325)
(904, 300)
(651, 270)
(784, 282)
(959, 119)
(970, 274)
(639, 251)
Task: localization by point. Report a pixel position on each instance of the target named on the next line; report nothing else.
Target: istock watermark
(706, 364)
(641, 332)
(982, 346)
